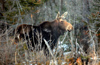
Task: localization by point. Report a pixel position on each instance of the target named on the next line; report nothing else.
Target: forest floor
(12, 53)
(17, 54)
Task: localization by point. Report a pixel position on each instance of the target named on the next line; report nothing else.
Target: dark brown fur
(50, 31)
(82, 34)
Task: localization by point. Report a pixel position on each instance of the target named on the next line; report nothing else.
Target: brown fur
(48, 30)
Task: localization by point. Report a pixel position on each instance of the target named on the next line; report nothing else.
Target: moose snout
(69, 28)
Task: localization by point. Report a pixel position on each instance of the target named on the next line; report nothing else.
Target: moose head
(61, 24)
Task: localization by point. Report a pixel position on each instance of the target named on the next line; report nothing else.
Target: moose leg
(46, 53)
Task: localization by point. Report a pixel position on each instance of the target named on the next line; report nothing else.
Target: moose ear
(64, 15)
(47, 30)
(58, 15)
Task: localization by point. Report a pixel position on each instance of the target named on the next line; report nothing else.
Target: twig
(16, 58)
(64, 37)
(55, 61)
(48, 48)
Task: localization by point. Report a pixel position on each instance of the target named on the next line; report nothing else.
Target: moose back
(50, 31)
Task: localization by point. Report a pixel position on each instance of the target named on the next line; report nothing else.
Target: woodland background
(84, 15)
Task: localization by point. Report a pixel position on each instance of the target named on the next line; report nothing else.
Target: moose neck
(56, 31)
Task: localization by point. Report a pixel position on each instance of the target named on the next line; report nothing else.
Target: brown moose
(50, 31)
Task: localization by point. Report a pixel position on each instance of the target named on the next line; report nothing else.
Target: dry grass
(17, 53)
(11, 53)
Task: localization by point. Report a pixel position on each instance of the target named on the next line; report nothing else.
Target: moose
(50, 31)
(82, 35)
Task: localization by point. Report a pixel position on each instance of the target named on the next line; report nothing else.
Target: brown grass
(17, 53)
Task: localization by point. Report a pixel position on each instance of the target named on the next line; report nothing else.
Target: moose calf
(50, 31)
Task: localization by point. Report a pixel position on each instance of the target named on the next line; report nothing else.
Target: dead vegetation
(17, 53)
(80, 11)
